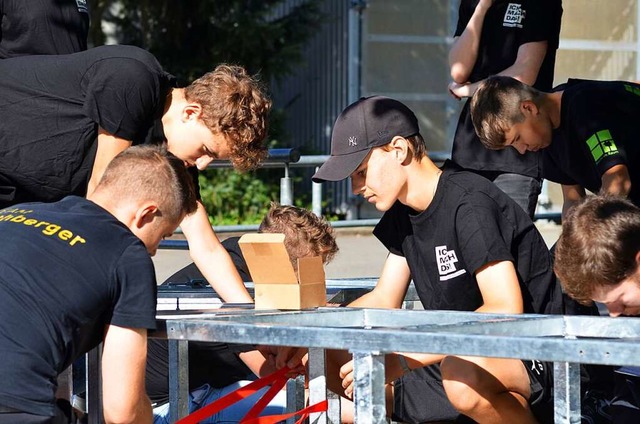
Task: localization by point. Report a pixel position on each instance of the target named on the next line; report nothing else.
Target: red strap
(272, 419)
(259, 406)
(235, 396)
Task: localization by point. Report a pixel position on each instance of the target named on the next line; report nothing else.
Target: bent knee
(461, 380)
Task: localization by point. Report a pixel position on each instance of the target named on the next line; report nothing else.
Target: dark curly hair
(236, 105)
(305, 234)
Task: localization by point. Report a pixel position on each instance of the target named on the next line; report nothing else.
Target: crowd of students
(102, 146)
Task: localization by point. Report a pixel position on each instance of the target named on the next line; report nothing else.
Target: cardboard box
(276, 284)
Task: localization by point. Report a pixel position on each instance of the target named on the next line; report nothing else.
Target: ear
(399, 147)
(638, 260)
(528, 108)
(191, 111)
(145, 214)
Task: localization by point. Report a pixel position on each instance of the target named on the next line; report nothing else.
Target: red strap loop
(277, 380)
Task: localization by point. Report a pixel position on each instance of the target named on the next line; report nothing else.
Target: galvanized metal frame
(369, 333)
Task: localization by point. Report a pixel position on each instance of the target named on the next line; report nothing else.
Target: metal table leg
(178, 379)
(94, 385)
(295, 396)
(369, 390)
(566, 385)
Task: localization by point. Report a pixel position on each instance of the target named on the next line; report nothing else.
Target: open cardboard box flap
(276, 283)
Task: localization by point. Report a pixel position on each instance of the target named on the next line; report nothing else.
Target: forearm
(464, 51)
(616, 181)
(257, 363)
(376, 299)
(212, 259)
(218, 269)
(524, 70)
(141, 414)
(394, 369)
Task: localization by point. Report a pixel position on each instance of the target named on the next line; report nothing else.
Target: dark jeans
(522, 189)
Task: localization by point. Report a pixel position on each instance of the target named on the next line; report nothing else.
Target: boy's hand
(346, 374)
(285, 356)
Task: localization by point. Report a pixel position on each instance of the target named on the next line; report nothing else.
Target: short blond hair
(151, 173)
(495, 107)
(236, 105)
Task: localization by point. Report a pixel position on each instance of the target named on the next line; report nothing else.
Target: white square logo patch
(446, 260)
(514, 16)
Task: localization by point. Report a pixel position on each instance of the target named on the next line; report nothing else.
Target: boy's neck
(422, 183)
(552, 104)
(173, 106)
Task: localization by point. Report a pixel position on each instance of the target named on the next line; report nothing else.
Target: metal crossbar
(369, 333)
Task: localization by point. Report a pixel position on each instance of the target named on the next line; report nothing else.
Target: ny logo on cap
(353, 141)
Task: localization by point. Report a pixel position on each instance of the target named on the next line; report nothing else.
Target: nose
(203, 161)
(614, 311)
(356, 185)
(521, 148)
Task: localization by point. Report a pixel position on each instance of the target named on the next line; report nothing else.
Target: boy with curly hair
(215, 369)
(63, 118)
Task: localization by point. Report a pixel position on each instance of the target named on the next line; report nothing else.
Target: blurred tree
(189, 38)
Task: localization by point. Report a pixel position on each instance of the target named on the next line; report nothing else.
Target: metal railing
(288, 158)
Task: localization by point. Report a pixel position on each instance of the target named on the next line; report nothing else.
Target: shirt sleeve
(553, 172)
(464, 15)
(121, 96)
(481, 238)
(135, 297)
(393, 228)
(542, 22)
(600, 131)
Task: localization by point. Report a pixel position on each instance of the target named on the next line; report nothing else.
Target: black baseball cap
(370, 122)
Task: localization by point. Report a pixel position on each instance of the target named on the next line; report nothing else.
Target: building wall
(399, 48)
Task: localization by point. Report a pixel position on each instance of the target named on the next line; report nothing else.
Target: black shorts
(420, 397)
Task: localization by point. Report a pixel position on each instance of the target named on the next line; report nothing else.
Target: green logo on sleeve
(601, 144)
(632, 89)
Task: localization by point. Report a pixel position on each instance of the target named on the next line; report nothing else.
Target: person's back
(57, 291)
(597, 131)
(43, 27)
(118, 88)
(77, 272)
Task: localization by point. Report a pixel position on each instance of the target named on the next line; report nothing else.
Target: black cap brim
(338, 168)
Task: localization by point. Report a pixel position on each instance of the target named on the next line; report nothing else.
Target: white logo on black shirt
(82, 6)
(514, 16)
(446, 260)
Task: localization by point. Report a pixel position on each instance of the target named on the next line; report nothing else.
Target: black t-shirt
(191, 271)
(51, 108)
(598, 130)
(216, 364)
(67, 270)
(30, 27)
(507, 26)
(469, 224)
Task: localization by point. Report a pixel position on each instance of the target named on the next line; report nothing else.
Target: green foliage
(191, 37)
(232, 198)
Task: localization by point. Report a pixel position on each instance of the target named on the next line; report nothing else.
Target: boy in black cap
(466, 245)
